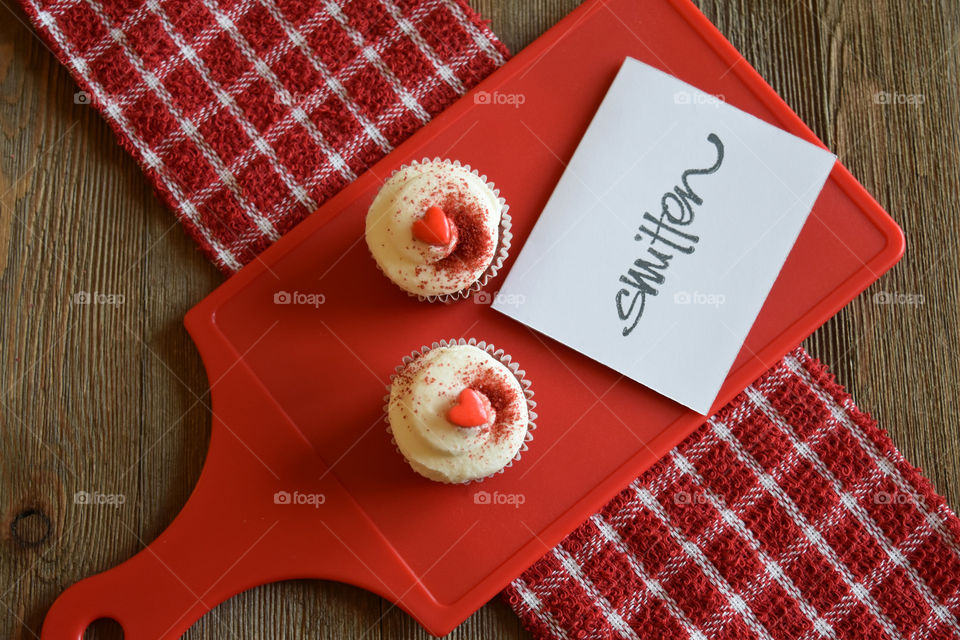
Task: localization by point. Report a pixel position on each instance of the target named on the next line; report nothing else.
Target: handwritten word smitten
(665, 239)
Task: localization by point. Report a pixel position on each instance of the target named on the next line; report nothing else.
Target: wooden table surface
(113, 398)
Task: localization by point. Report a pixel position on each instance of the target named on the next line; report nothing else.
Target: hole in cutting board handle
(104, 629)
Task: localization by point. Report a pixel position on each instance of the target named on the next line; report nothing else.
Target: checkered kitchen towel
(247, 114)
(788, 515)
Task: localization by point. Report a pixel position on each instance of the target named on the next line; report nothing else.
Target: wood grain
(110, 398)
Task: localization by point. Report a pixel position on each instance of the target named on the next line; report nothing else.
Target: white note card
(660, 243)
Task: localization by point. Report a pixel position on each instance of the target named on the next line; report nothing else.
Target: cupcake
(460, 411)
(438, 230)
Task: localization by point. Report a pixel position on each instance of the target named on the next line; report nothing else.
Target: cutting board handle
(242, 527)
(214, 550)
(207, 555)
(136, 594)
(266, 508)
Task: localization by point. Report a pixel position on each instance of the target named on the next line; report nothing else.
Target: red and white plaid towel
(788, 515)
(247, 114)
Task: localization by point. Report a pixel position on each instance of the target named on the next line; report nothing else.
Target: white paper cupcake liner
(500, 355)
(504, 240)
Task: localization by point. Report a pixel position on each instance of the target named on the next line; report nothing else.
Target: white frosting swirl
(419, 267)
(423, 393)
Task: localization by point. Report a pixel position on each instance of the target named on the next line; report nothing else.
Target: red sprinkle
(474, 247)
(503, 398)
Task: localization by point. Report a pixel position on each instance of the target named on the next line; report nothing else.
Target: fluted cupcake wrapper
(504, 240)
(504, 359)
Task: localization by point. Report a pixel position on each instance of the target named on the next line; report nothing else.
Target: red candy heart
(433, 227)
(470, 410)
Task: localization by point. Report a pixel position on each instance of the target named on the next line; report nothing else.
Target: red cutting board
(298, 391)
